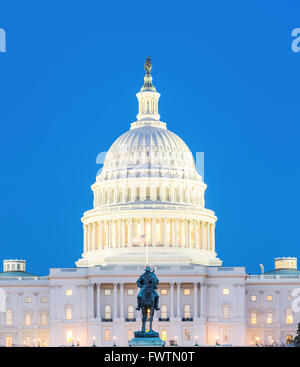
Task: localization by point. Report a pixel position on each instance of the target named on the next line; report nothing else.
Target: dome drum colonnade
(149, 192)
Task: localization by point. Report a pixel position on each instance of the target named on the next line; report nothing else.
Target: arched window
(289, 319)
(164, 312)
(130, 312)
(107, 312)
(8, 317)
(187, 311)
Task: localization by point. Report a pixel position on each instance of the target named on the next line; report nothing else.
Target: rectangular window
(28, 319)
(69, 336)
(69, 292)
(8, 341)
(269, 297)
(130, 292)
(226, 312)
(253, 318)
(269, 317)
(8, 318)
(107, 336)
(44, 299)
(226, 291)
(226, 336)
(27, 299)
(164, 292)
(27, 340)
(186, 291)
(187, 335)
(69, 313)
(253, 298)
(44, 319)
(107, 292)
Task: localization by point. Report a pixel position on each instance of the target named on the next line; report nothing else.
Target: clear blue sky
(229, 85)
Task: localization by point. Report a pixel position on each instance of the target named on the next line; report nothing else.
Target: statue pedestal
(150, 339)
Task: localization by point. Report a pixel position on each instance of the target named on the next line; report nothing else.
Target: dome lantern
(148, 98)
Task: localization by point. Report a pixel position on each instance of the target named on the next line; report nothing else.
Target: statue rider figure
(145, 280)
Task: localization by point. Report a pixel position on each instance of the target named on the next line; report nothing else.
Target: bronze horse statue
(147, 298)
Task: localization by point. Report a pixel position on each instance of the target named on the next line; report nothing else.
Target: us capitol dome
(149, 198)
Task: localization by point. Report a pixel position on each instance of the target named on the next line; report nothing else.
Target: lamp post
(196, 341)
(72, 341)
(38, 342)
(257, 341)
(175, 345)
(114, 338)
(217, 340)
(94, 341)
(78, 340)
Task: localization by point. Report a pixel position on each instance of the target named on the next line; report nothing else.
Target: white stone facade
(149, 208)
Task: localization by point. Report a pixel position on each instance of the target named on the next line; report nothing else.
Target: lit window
(269, 317)
(130, 292)
(107, 292)
(107, 337)
(69, 292)
(226, 291)
(8, 318)
(253, 318)
(44, 319)
(44, 299)
(289, 319)
(226, 312)
(187, 311)
(186, 291)
(130, 313)
(253, 298)
(187, 335)
(27, 340)
(69, 336)
(27, 299)
(226, 335)
(164, 292)
(107, 312)
(269, 297)
(69, 313)
(8, 341)
(28, 319)
(164, 335)
(164, 312)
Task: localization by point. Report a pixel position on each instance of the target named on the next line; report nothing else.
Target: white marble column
(173, 232)
(123, 233)
(101, 235)
(95, 236)
(178, 300)
(213, 228)
(84, 238)
(165, 233)
(99, 300)
(130, 230)
(172, 299)
(119, 233)
(182, 239)
(186, 233)
(202, 235)
(208, 236)
(89, 237)
(195, 300)
(91, 300)
(153, 231)
(202, 300)
(115, 300)
(195, 234)
(121, 300)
